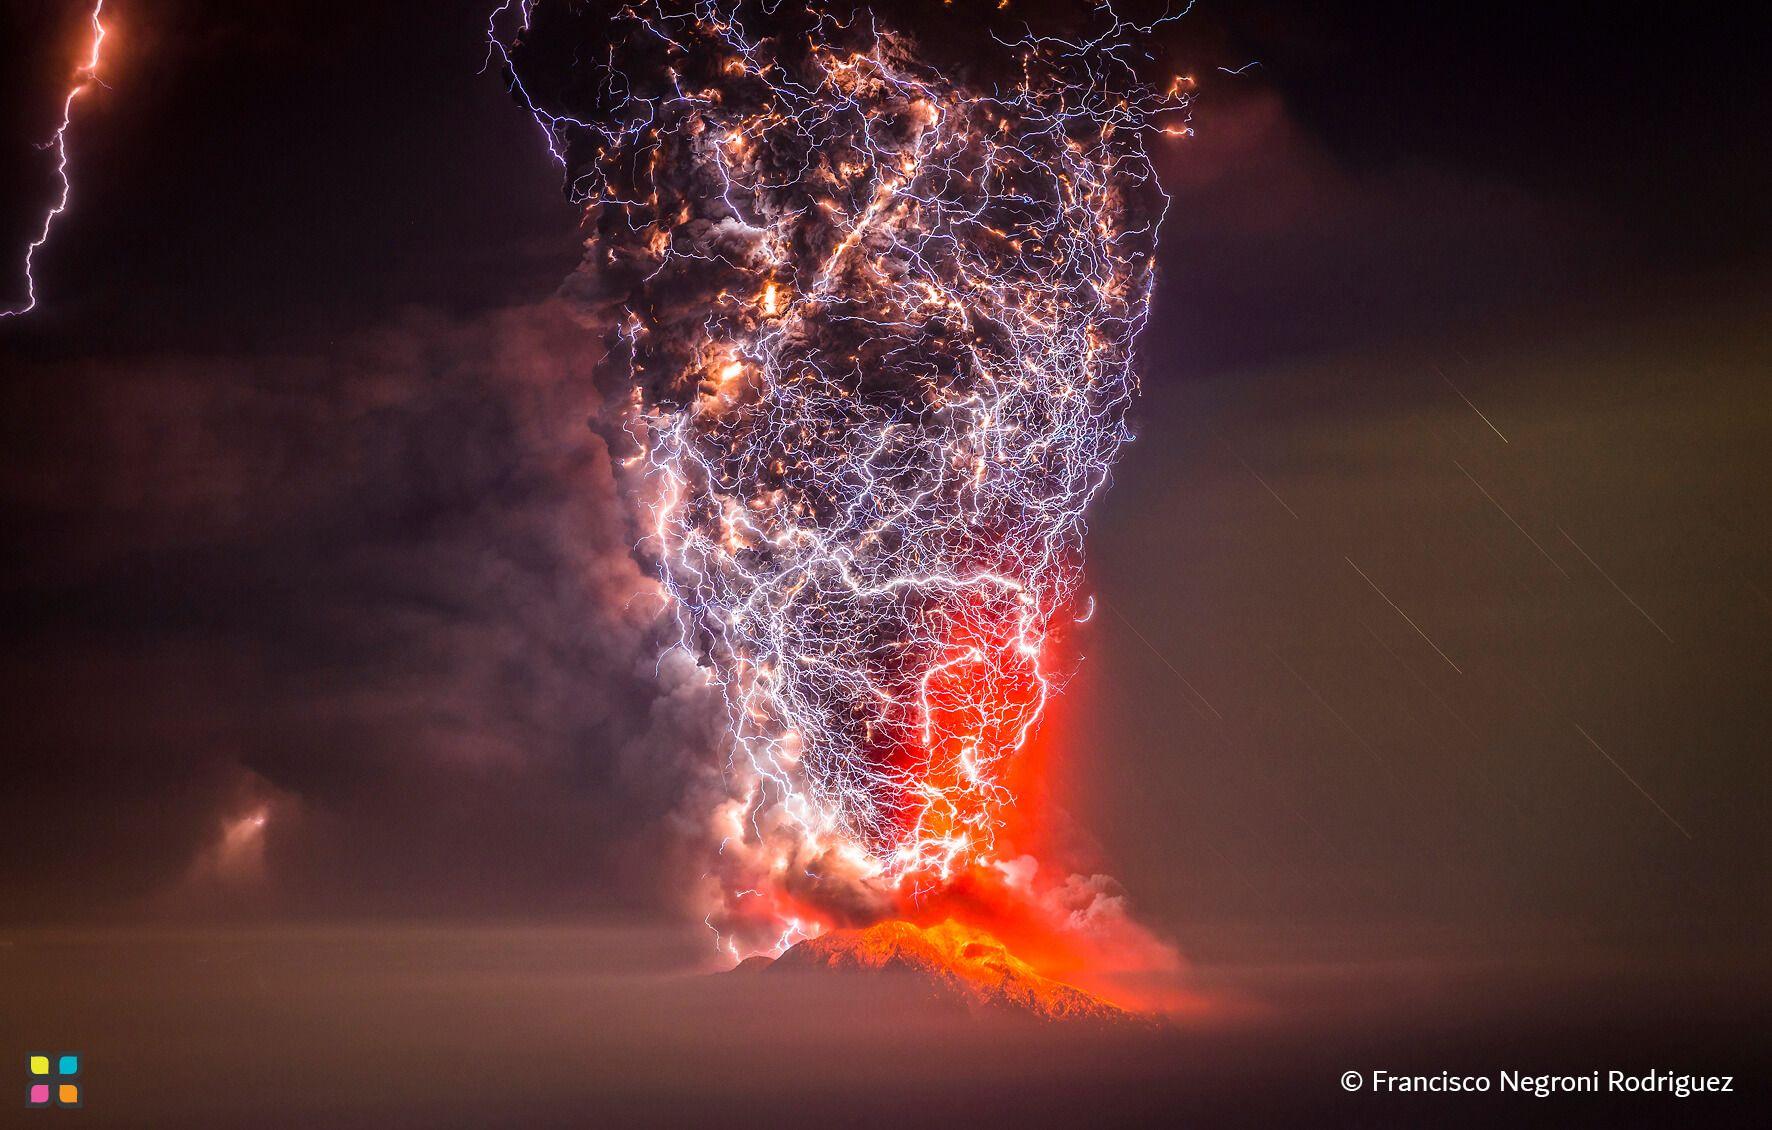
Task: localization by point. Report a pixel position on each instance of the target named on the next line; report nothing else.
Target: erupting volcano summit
(874, 292)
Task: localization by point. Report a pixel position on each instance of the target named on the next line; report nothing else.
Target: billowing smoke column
(879, 321)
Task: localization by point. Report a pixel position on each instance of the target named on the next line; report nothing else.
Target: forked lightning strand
(85, 75)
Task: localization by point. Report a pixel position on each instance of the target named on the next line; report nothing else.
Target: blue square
(69, 1065)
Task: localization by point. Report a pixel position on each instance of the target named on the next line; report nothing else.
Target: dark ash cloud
(384, 594)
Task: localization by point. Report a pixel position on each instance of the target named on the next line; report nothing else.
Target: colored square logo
(58, 1083)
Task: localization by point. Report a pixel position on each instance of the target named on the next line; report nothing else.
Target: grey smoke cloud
(386, 592)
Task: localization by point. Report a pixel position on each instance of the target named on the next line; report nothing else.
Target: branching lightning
(879, 322)
(85, 76)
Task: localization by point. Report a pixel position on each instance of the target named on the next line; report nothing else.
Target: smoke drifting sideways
(873, 313)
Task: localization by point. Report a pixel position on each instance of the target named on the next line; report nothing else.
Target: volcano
(950, 965)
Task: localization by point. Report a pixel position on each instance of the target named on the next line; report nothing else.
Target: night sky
(1436, 591)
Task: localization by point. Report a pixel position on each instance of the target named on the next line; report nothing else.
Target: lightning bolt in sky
(85, 76)
(878, 322)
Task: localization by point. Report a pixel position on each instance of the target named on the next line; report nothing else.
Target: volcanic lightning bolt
(85, 75)
(878, 321)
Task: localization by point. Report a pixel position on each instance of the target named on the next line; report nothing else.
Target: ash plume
(875, 292)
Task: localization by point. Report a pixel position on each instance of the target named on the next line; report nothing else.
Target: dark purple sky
(304, 520)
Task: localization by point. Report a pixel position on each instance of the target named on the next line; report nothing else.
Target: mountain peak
(953, 963)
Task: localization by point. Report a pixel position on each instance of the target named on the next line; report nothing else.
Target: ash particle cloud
(877, 312)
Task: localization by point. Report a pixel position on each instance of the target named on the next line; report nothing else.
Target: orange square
(69, 1093)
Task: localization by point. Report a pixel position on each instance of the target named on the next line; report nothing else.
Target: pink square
(40, 1094)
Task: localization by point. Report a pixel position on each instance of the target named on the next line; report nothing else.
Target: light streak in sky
(1467, 401)
(1615, 586)
(85, 75)
(1504, 513)
(1406, 617)
(879, 325)
(1633, 781)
